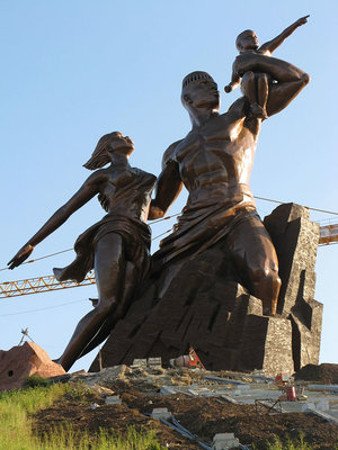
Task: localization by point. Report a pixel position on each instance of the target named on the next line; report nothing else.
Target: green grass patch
(288, 444)
(65, 438)
(295, 444)
(16, 407)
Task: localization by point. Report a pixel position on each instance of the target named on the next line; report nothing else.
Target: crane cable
(42, 309)
(333, 213)
(156, 237)
(70, 249)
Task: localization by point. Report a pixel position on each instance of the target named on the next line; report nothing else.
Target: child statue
(255, 69)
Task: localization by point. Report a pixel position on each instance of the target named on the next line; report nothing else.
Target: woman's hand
(21, 256)
(155, 213)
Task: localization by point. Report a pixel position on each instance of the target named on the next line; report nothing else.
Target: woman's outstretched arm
(86, 192)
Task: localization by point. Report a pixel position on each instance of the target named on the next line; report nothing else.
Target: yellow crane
(40, 284)
(328, 234)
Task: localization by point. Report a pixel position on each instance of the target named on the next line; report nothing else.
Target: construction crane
(39, 285)
(328, 235)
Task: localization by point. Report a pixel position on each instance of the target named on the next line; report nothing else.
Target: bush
(36, 381)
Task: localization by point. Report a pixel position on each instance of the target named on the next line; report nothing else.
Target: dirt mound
(208, 416)
(324, 373)
(203, 416)
(117, 418)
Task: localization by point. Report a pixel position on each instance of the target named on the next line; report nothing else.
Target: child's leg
(262, 91)
(248, 87)
(255, 87)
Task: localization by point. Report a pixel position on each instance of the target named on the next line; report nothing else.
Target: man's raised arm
(282, 94)
(169, 185)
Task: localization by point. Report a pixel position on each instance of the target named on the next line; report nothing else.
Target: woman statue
(117, 247)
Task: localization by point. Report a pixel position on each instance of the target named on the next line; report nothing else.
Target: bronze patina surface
(117, 247)
(214, 162)
(256, 70)
(214, 283)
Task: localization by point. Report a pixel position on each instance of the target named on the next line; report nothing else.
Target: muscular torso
(215, 160)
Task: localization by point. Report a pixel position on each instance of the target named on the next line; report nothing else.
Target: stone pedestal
(21, 362)
(266, 345)
(200, 303)
(296, 241)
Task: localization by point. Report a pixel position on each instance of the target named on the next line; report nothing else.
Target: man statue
(214, 163)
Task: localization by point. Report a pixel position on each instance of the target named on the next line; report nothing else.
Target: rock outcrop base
(199, 303)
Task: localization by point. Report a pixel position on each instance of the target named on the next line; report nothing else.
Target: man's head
(199, 90)
(247, 40)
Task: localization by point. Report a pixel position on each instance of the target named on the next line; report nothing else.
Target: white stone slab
(161, 413)
(113, 400)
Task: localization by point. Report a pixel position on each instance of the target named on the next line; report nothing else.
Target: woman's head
(108, 145)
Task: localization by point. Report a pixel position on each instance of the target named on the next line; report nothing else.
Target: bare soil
(200, 415)
(323, 374)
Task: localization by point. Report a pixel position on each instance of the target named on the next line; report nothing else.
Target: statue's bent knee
(266, 280)
(104, 308)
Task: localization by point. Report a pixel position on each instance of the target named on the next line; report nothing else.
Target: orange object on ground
(191, 360)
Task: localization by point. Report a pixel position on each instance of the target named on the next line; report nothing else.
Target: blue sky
(74, 70)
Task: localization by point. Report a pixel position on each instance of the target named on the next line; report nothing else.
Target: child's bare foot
(258, 111)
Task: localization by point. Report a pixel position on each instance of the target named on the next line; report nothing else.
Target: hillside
(81, 409)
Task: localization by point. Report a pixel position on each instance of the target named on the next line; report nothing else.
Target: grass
(297, 444)
(16, 407)
(65, 438)
(289, 444)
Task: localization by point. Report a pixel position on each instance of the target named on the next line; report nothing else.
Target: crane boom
(39, 285)
(328, 234)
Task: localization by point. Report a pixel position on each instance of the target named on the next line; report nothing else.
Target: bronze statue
(256, 70)
(117, 247)
(214, 163)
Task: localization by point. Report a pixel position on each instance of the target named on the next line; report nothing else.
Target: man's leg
(256, 261)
